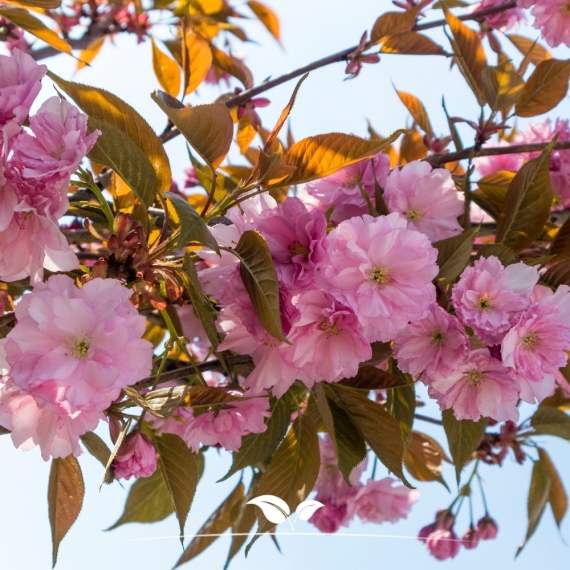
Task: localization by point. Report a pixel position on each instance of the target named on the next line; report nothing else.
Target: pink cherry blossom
(327, 342)
(436, 345)
(228, 424)
(331, 517)
(481, 387)
(20, 83)
(489, 298)
(503, 21)
(92, 355)
(43, 418)
(194, 331)
(552, 18)
(486, 165)
(487, 528)
(383, 271)
(60, 142)
(343, 189)
(427, 198)
(443, 544)
(136, 458)
(470, 538)
(176, 424)
(381, 501)
(296, 239)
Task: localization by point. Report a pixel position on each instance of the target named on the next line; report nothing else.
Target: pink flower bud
(487, 528)
(470, 539)
(443, 544)
(136, 457)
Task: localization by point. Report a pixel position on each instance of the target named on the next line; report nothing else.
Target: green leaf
(208, 128)
(293, 470)
(502, 85)
(505, 255)
(372, 378)
(561, 243)
(492, 191)
(558, 274)
(117, 150)
(379, 429)
(218, 523)
(424, 457)
(148, 501)
(257, 447)
(401, 403)
(96, 447)
(557, 496)
(105, 106)
(192, 226)
(453, 256)
(551, 421)
(260, 279)
(179, 472)
(65, 498)
(463, 437)
(538, 495)
(108, 474)
(527, 203)
(544, 89)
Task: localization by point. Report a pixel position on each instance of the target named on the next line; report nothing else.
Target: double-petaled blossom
(86, 340)
(427, 198)
(326, 339)
(486, 165)
(490, 298)
(297, 240)
(383, 501)
(552, 18)
(503, 20)
(59, 144)
(229, 423)
(342, 191)
(383, 271)
(440, 538)
(434, 345)
(482, 387)
(136, 458)
(20, 83)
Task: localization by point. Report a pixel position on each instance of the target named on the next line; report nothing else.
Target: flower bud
(470, 539)
(136, 457)
(487, 528)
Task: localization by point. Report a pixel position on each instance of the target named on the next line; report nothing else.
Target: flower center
(413, 215)
(297, 249)
(331, 330)
(379, 275)
(474, 377)
(566, 8)
(437, 338)
(484, 303)
(353, 181)
(529, 340)
(57, 154)
(81, 347)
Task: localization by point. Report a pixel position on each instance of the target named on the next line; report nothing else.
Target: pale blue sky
(311, 29)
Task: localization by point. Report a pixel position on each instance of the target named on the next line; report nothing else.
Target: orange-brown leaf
(267, 17)
(233, 66)
(411, 43)
(199, 60)
(166, 70)
(525, 45)
(417, 110)
(88, 54)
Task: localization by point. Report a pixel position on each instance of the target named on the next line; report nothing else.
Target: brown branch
(428, 419)
(7, 319)
(439, 159)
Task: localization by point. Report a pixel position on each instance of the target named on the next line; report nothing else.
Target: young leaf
(192, 226)
(558, 274)
(557, 496)
(545, 88)
(96, 447)
(391, 23)
(257, 447)
(469, 52)
(380, 430)
(372, 378)
(166, 70)
(322, 155)
(293, 470)
(179, 472)
(453, 256)
(463, 437)
(401, 404)
(502, 86)
(548, 420)
(527, 203)
(105, 106)
(525, 45)
(260, 279)
(199, 60)
(218, 523)
(505, 255)
(267, 17)
(233, 66)
(65, 498)
(561, 243)
(148, 501)
(45, 4)
(87, 55)
(417, 110)
(492, 191)
(424, 457)
(108, 474)
(411, 43)
(32, 25)
(116, 150)
(538, 496)
(208, 128)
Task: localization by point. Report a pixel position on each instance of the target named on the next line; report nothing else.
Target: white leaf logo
(307, 509)
(276, 510)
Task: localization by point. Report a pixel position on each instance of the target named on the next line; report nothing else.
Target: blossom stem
(175, 338)
(89, 183)
(483, 495)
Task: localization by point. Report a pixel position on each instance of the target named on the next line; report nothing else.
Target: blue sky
(311, 29)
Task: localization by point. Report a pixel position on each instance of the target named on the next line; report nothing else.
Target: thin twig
(7, 318)
(428, 419)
